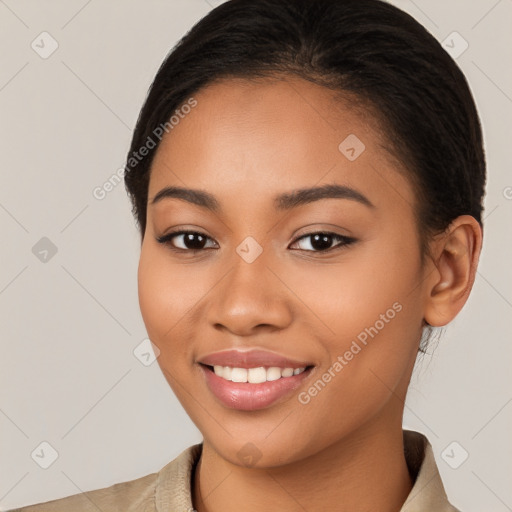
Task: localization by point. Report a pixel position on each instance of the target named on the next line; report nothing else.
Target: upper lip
(250, 359)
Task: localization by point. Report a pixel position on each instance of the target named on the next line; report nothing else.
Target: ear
(455, 255)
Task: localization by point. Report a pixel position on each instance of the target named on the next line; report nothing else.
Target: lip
(245, 396)
(251, 359)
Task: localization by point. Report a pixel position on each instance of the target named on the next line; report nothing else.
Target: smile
(251, 389)
(255, 375)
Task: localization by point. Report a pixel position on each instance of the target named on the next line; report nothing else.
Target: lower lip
(250, 397)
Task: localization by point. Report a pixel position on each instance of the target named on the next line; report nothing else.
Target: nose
(250, 298)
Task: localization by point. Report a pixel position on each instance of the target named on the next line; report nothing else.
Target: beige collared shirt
(169, 490)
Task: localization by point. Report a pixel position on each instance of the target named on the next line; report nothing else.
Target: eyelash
(345, 241)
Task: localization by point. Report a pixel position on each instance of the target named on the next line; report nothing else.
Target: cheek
(368, 317)
(171, 296)
(152, 283)
(164, 296)
(345, 298)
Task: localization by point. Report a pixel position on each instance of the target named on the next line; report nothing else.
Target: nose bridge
(248, 279)
(250, 294)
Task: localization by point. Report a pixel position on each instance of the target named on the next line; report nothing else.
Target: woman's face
(346, 304)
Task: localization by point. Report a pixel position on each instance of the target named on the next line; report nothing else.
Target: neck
(365, 471)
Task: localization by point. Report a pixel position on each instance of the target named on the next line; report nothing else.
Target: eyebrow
(284, 201)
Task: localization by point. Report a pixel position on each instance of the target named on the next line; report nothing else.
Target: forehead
(252, 139)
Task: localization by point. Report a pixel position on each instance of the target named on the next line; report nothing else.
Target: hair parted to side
(367, 49)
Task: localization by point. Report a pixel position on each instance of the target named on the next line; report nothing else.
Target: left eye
(322, 242)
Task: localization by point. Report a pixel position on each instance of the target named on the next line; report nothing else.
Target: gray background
(70, 323)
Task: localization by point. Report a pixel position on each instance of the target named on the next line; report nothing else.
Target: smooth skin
(246, 142)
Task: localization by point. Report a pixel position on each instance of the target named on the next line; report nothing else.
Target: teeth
(255, 375)
(287, 372)
(239, 375)
(274, 373)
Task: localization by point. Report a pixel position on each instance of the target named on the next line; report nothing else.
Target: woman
(307, 177)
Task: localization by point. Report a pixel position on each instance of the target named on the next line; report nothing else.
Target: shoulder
(133, 495)
(139, 495)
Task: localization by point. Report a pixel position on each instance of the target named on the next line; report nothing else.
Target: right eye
(190, 241)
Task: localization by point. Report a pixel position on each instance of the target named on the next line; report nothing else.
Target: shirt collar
(428, 491)
(173, 487)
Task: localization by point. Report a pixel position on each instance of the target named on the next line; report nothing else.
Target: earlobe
(455, 259)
